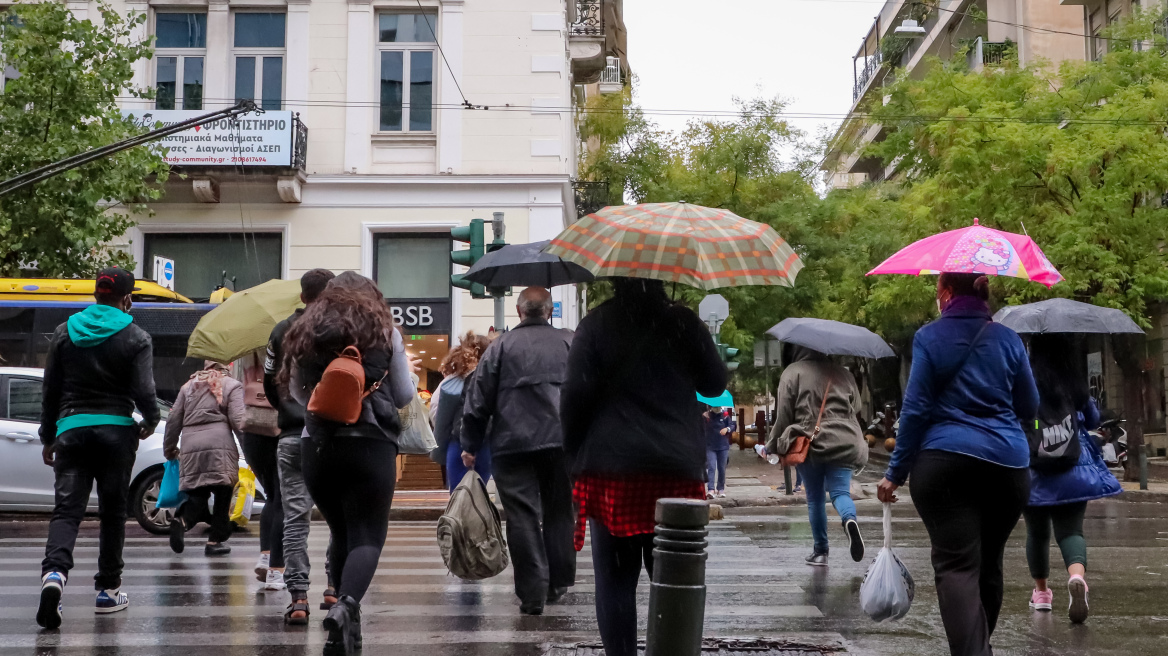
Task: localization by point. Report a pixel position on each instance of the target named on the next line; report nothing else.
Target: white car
(26, 483)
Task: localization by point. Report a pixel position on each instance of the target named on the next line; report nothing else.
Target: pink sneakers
(1042, 599)
(1077, 588)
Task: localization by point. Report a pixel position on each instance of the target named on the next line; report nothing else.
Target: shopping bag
(244, 497)
(888, 588)
(169, 496)
(417, 438)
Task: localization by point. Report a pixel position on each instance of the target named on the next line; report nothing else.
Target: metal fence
(299, 143)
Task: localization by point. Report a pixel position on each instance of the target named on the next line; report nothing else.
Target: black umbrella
(524, 265)
(831, 337)
(1062, 315)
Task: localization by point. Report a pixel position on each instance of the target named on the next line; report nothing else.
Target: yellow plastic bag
(244, 497)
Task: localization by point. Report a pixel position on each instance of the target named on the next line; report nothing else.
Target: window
(409, 266)
(180, 46)
(24, 399)
(202, 261)
(259, 58)
(406, 42)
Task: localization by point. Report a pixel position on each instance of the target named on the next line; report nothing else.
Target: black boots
(343, 624)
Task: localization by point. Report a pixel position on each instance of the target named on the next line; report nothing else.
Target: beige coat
(208, 454)
(800, 395)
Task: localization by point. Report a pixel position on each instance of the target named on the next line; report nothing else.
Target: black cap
(115, 281)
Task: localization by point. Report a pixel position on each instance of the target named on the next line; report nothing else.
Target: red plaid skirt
(625, 504)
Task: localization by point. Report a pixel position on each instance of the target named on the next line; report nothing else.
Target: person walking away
(513, 406)
(99, 368)
(259, 450)
(297, 504)
(633, 434)
(718, 428)
(200, 432)
(961, 438)
(819, 399)
(1058, 500)
(350, 469)
(447, 404)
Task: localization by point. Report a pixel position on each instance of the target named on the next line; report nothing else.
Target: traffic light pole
(499, 231)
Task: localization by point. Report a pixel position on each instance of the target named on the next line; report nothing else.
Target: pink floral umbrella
(976, 249)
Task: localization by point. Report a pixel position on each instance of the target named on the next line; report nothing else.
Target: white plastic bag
(888, 588)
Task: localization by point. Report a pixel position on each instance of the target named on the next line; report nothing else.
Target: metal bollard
(1143, 466)
(787, 480)
(677, 594)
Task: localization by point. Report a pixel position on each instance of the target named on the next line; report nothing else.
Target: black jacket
(629, 405)
(111, 378)
(290, 414)
(516, 388)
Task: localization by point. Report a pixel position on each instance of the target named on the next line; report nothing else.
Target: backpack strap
(941, 389)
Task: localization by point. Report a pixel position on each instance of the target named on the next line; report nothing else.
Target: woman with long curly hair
(458, 365)
(350, 469)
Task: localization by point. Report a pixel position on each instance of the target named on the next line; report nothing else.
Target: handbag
(801, 445)
(341, 390)
(417, 438)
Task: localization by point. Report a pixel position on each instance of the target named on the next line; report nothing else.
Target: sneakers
(275, 580)
(111, 601)
(721, 494)
(261, 570)
(709, 495)
(855, 541)
(817, 559)
(177, 535)
(217, 549)
(50, 611)
(1077, 588)
(1041, 599)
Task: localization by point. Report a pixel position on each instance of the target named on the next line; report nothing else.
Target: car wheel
(145, 496)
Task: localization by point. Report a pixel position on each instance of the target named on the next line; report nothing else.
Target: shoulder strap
(822, 407)
(964, 359)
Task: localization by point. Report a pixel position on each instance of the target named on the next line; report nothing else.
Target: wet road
(192, 605)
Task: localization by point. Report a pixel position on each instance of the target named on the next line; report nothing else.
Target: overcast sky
(700, 54)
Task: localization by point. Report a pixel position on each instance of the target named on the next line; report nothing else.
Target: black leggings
(260, 453)
(617, 563)
(351, 479)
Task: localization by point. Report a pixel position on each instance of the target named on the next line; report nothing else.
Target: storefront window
(413, 265)
(202, 261)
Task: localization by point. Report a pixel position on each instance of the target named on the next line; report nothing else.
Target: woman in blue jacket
(1059, 500)
(961, 438)
(718, 428)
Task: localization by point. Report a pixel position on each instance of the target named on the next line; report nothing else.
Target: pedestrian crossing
(189, 604)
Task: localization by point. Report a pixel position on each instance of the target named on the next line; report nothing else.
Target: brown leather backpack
(338, 395)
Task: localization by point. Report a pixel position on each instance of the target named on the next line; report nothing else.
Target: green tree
(71, 73)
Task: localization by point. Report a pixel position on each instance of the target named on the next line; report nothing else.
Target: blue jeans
(716, 469)
(835, 481)
(454, 469)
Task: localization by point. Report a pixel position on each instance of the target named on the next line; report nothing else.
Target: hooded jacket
(1089, 479)
(840, 441)
(100, 367)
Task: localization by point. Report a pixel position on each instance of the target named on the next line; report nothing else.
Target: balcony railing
(994, 53)
(865, 75)
(299, 143)
(610, 77)
(589, 19)
(591, 196)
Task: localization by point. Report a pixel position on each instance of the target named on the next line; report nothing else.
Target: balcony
(588, 19)
(984, 53)
(864, 75)
(610, 77)
(591, 196)
(586, 39)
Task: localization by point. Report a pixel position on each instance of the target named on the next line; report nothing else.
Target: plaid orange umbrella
(698, 246)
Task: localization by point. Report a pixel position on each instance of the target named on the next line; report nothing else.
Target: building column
(359, 81)
(142, 78)
(218, 91)
(450, 23)
(297, 67)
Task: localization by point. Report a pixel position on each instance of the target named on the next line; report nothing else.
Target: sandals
(297, 606)
(330, 599)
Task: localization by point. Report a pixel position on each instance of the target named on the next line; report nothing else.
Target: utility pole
(500, 241)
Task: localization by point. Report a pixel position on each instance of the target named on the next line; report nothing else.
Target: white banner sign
(249, 140)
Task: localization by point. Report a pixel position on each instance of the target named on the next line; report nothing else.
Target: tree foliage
(71, 73)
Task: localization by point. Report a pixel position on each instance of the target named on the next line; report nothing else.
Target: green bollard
(677, 594)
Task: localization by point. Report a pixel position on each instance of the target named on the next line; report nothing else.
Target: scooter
(1112, 440)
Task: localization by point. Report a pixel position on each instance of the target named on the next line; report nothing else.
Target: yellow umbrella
(244, 321)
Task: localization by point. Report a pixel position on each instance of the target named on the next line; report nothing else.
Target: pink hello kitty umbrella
(975, 249)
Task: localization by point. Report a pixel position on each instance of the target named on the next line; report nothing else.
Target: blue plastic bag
(169, 495)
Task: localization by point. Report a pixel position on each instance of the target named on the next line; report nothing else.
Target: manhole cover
(725, 647)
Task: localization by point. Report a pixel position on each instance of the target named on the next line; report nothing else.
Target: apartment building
(1096, 16)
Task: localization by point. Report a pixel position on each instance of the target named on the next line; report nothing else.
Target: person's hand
(48, 453)
(415, 364)
(725, 431)
(886, 491)
(144, 431)
(171, 454)
(468, 460)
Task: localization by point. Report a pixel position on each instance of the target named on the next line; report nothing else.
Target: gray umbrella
(831, 337)
(1062, 315)
(524, 265)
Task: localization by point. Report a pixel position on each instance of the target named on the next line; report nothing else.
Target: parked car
(26, 484)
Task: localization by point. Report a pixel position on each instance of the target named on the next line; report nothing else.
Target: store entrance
(420, 472)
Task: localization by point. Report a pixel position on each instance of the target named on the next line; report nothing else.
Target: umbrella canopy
(524, 265)
(976, 249)
(678, 242)
(831, 337)
(1062, 315)
(244, 321)
(722, 401)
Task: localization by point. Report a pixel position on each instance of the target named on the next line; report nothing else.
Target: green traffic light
(470, 234)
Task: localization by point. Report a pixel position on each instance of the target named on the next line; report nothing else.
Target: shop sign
(248, 140)
(422, 316)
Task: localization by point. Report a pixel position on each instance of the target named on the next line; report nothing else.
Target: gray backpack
(470, 533)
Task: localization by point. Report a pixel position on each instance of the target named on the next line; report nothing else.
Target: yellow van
(61, 289)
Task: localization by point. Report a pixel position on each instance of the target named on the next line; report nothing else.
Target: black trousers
(617, 563)
(537, 496)
(969, 507)
(260, 453)
(104, 454)
(194, 510)
(351, 479)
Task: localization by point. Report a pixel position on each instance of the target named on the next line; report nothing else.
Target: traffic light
(473, 235)
(727, 353)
